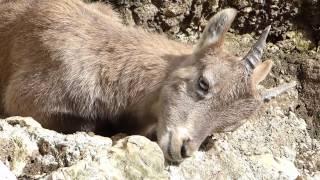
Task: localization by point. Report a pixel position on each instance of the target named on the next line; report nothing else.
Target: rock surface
(5, 173)
(188, 17)
(35, 153)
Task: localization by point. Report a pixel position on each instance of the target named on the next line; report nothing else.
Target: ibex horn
(253, 58)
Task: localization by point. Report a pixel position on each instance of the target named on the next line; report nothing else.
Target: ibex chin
(74, 67)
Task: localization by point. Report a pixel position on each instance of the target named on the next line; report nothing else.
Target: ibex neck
(136, 63)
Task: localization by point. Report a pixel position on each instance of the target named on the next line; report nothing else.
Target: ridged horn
(253, 58)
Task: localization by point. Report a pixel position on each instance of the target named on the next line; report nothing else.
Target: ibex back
(74, 67)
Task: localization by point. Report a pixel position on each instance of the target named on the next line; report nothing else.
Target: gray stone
(33, 152)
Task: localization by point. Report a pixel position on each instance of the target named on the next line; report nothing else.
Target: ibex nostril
(184, 153)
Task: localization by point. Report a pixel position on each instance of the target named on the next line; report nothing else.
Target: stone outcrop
(185, 19)
(35, 153)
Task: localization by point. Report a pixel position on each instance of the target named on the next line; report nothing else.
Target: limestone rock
(5, 173)
(33, 152)
(128, 159)
(185, 19)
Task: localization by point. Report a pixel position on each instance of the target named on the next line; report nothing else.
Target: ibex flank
(74, 66)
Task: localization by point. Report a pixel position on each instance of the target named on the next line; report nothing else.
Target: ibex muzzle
(74, 67)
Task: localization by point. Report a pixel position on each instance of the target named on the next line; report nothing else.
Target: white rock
(5, 173)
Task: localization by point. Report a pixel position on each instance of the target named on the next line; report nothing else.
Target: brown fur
(73, 66)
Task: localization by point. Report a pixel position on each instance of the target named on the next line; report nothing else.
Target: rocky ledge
(274, 144)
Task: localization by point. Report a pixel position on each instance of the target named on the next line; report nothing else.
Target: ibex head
(211, 90)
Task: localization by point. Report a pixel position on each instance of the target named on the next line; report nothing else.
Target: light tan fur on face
(73, 66)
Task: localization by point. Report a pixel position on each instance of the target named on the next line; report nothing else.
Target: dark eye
(203, 84)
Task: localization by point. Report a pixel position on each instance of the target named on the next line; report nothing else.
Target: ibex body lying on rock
(73, 66)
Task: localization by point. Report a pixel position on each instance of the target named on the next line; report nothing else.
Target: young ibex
(74, 67)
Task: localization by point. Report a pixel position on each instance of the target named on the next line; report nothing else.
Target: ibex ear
(218, 25)
(261, 72)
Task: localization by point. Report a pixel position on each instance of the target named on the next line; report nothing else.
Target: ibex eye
(203, 84)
